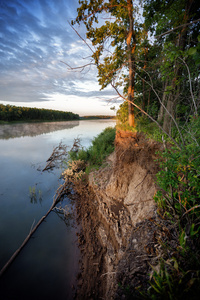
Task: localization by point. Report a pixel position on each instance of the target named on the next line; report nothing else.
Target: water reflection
(65, 214)
(8, 131)
(47, 267)
(35, 195)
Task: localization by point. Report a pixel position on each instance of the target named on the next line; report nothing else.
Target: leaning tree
(115, 34)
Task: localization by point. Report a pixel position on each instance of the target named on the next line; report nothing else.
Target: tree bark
(161, 110)
(131, 50)
(167, 124)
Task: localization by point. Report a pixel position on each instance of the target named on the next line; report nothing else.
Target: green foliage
(118, 39)
(101, 146)
(150, 129)
(178, 200)
(168, 73)
(122, 112)
(111, 32)
(143, 124)
(195, 52)
(160, 71)
(170, 282)
(17, 113)
(179, 176)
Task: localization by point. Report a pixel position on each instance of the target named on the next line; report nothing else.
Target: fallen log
(61, 191)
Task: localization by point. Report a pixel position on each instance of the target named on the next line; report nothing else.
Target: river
(47, 266)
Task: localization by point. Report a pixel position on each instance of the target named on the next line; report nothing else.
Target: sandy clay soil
(120, 226)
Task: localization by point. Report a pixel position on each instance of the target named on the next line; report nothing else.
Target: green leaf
(192, 51)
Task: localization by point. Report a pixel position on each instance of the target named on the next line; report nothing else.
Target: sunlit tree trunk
(131, 50)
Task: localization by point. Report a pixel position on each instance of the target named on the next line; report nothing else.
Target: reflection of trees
(8, 131)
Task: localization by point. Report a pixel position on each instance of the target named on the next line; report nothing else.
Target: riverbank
(120, 226)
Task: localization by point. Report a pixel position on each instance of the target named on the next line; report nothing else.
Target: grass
(149, 128)
(102, 146)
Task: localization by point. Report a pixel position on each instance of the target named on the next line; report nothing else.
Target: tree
(115, 41)
(161, 17)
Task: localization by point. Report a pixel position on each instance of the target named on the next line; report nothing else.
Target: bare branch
(180, 26)
(190, 81)
(151, 85)
(77, 68)
(81, 38)
(189, 210)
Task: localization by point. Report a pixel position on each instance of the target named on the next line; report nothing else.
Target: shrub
(179, 201)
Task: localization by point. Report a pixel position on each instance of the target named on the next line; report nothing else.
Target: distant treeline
(17, 113)
(97, 117)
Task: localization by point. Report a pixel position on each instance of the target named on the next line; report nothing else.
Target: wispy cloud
(34, 38)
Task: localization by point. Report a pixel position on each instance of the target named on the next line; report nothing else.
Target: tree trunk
(161, 110)
(167, 124)
(172, 98)
(131, 49)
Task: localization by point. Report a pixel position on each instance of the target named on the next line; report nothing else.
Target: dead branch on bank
(61, 191)
(58, 154)
(76, 145)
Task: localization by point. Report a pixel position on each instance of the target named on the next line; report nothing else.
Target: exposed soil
(120, 226)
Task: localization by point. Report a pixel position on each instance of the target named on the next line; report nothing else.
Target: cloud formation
(34, 38)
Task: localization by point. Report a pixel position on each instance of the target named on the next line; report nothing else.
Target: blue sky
(34, 38)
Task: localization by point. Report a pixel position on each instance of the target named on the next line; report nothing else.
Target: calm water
(47, 266)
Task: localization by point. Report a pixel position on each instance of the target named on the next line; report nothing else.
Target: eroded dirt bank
(118, 219)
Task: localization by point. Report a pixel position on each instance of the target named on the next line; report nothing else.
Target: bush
(179, 201)
(179, 177)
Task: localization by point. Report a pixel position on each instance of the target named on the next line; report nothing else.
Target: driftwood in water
(58, 153)
(61, 191)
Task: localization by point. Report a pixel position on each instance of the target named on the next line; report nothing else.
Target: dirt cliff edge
(117, 215)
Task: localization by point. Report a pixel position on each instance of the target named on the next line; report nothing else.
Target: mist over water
(47, 266)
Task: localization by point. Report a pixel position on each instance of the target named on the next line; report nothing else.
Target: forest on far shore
(10, 113)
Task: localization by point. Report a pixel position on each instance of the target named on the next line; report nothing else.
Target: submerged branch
(61, 191)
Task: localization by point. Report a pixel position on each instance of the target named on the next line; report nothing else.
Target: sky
(35, 40)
